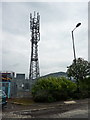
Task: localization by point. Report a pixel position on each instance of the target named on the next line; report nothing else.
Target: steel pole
(73, 46)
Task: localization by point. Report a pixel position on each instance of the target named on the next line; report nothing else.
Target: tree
(79, 70)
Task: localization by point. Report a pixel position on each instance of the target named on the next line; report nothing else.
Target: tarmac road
(51, 110)
(81, 112)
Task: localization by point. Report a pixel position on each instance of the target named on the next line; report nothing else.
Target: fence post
(8, 89)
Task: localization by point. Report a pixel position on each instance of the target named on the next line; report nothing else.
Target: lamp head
(78, 24)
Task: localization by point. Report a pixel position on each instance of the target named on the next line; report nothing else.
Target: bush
(52, 89)
(85, 88)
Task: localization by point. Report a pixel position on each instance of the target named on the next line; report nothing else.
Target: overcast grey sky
(57, 20)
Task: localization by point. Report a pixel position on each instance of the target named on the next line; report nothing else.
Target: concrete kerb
(69, 102)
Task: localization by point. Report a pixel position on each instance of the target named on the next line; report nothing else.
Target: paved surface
(67, 109)
(0, 115)
(81, 112)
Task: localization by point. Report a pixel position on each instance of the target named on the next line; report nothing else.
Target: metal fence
(14, 89)
(5, 86)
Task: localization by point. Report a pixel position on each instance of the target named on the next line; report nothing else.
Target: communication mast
(35, 38)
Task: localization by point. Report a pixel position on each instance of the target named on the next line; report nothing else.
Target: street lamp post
(75, 54)
(73, 40)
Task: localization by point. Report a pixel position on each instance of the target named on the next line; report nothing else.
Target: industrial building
(14, 86)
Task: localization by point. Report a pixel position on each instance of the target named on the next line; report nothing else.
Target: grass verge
(21, 101)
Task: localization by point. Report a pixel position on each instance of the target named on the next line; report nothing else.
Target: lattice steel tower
(35, 38)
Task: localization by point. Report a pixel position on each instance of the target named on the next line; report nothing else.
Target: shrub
(85, 88)
(52, 89)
